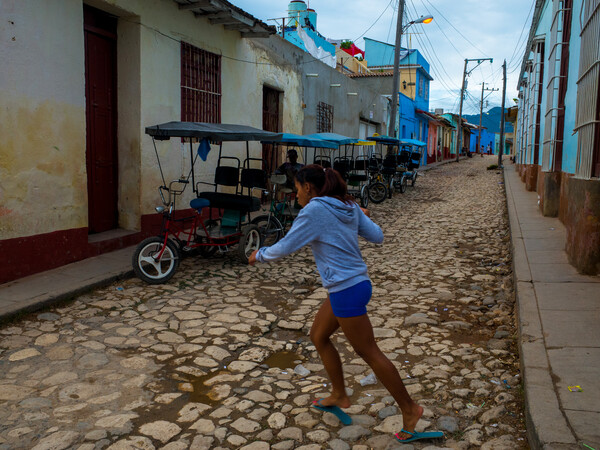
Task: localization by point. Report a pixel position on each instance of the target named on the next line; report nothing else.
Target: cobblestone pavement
(220, 358)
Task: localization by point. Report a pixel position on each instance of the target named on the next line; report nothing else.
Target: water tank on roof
(297, 13)
(312, 18)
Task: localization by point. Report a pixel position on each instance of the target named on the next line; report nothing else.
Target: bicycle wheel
(402, 184)
(249, 242)
(377, 192)
(414, 179)
(390, 186)
(148, 268)
(270, 229)
(364, 196)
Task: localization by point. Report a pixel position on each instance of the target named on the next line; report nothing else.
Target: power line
(456, 29)
(510, 60)
(433, 67)
(445, 35)
(433, 52)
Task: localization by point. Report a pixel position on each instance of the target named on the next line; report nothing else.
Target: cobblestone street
(220, 356)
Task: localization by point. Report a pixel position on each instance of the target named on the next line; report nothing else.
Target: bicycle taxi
(410, 157)
(352, 162)
(229, 202)
(400, 163)
(278, 219)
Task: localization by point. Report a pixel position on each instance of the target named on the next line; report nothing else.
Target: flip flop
(415, 436)
(335, 410)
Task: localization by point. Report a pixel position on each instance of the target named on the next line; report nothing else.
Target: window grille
(200, 85)
(534, 95)
(587, 122)
(324, 118)
(519, 133)
(551, 142)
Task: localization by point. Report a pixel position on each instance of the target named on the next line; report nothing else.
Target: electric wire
(522, 31)
(456, 29)
(433, 65)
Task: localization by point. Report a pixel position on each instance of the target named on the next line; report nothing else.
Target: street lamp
(399, 30)
(422, 19)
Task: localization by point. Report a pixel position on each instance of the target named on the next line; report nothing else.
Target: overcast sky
(461, 29)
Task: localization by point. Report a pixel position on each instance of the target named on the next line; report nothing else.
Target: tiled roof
(370, 74)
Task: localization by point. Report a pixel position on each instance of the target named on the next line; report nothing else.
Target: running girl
(330, 221)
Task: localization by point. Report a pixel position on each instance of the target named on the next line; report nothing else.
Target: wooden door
(271, 123)
(101, 119)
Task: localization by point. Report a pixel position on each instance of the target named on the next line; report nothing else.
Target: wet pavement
(220, 358)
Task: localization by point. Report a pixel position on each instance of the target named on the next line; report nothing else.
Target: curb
(55, 298)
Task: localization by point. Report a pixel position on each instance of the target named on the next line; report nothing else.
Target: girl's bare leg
(323, 327)
(359, 332)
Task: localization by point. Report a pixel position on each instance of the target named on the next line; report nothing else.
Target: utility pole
(501, 149)
(462, 95)
(483, 88)
(396, 76)
(480, 116)
(459, 125)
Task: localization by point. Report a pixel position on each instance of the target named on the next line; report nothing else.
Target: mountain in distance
(491, 120)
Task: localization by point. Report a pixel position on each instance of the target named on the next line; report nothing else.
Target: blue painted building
(557, 136)
(488, 138)
(414, 79)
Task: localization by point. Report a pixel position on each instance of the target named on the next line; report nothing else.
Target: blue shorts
(352, 301)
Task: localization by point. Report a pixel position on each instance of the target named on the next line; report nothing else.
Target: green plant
(346, 44)
(492, 167)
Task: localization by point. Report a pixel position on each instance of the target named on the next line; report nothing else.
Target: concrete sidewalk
(46, 288)
(559, 328)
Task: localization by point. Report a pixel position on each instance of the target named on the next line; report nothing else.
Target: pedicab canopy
(395, 141)
(215, 132)
(302, 141)
(334, 137)
(413, 142)
(385, 139)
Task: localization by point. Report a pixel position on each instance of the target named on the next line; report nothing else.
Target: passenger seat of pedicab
(342, 165)
(229, 176)
(358, 172)
(404, 158)
(389, 164)
(415, 160)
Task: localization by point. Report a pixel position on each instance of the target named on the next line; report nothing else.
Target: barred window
(534, 96)
(587, 123)
(200, 85)
(558, 55)
(324, 118)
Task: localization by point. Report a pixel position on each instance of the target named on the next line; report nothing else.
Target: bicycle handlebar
(171, 191)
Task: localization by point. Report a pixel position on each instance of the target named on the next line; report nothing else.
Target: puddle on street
(283, 360)
(203, 393)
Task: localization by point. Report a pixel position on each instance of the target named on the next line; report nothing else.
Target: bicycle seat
(199, 203)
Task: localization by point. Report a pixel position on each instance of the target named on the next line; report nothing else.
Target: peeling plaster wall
(42, 118)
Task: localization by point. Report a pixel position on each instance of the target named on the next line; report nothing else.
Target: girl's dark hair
(327, 181)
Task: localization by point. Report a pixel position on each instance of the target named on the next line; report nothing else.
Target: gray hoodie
(331, 227)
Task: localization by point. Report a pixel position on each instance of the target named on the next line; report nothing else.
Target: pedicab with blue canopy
(274, 224)
(354, 169)
(229, 199)
(401, 161)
